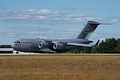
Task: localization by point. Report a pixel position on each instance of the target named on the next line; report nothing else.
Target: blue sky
(57, 19)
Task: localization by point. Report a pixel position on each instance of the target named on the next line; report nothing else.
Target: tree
(112, 44)
(118, 46)
(95, 49)
(5, 46)
(86, 50)
(81, 50)
(109, 45)
(106, 46)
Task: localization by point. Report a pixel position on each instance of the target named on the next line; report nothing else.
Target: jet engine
(43, 44)
(58, 46)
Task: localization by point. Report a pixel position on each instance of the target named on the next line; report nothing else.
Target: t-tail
(88, 30)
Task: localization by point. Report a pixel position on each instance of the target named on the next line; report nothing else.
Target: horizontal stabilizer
(79, 44)
(106, 23)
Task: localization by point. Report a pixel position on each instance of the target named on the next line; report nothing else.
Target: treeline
(109, 45)
(5, 46)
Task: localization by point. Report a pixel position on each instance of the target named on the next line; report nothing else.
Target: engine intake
(43, 44)
(58, 46)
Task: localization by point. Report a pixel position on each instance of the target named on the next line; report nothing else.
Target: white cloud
(43, 11)
(46, 11)
(34, 32)
(41, 18)
(115, 20)
(50, 17)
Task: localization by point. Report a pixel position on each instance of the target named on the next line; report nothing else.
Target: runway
(20, 53)
(10, 51)
(57, 54)
(6, 50)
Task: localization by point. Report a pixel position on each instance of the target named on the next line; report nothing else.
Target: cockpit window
(17, 42)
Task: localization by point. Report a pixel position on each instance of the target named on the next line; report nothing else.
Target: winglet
(97, 42)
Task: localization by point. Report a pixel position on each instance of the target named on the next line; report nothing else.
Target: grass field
(60, 67)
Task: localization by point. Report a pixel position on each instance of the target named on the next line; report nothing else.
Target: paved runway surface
(18, 54)
(6, 50)
(27, 53)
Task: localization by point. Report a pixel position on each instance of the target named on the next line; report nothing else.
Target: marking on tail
(88, 30)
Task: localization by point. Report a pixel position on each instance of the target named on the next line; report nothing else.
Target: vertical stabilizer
(88, 30)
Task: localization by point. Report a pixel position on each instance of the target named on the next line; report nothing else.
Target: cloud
(110, 19)
(49, 17)
(41, 18)
(115, 20)
(4, 33)
(75, 9)
(44, 15)
(102, 36)
(26, 14)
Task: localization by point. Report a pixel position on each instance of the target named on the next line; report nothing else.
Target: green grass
(60, 67)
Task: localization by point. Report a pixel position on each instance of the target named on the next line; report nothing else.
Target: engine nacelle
(43, 44)
(58, 46)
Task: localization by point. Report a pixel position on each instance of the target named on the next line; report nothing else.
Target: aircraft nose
(14, 46)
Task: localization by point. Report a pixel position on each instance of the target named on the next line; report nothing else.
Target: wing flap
(79, 44)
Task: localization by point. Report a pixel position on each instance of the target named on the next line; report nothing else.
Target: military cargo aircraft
(57, 45)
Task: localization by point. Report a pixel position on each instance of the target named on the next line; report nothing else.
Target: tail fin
(88, 30)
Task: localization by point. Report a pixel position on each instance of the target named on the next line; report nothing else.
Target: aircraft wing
(51, 45)
(78, 44)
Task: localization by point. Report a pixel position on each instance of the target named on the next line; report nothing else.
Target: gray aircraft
(57, 46)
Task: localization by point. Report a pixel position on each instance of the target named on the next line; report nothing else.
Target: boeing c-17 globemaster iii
(57, 45)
